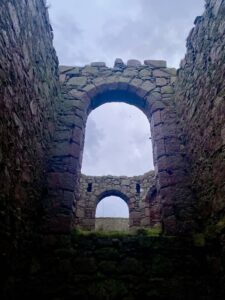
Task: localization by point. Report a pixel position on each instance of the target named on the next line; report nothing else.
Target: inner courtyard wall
(95, 188)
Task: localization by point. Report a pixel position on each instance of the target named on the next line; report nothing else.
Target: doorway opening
(112, 214)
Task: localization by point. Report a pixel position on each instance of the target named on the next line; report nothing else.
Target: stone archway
(107, 215)
(149, 87)
(94, 188)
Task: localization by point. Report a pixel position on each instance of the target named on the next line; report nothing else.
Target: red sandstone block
(74, 150)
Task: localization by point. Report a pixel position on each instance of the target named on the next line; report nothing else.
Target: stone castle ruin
(44, 198)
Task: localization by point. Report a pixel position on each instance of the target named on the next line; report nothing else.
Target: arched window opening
(112, 214)
(117, 141)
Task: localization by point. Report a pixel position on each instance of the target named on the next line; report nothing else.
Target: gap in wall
(117, 141)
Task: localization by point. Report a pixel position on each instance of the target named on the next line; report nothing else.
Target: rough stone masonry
(149, 87)
(42, 127)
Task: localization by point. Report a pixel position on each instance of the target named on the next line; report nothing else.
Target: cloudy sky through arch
(102, 30)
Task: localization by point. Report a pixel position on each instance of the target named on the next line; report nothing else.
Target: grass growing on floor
(155, 231)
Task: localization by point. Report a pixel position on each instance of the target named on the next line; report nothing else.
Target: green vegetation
(155, 231)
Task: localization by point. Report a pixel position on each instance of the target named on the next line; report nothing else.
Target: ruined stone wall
(28, 94)
(200, 98)
(147, 86)
(133, 190)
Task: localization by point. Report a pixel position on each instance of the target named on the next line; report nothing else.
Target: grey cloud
(159, 31)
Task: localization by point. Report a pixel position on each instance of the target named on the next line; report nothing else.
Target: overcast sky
(117, 135)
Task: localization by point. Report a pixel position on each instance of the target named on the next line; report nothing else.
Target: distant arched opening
(112, 214)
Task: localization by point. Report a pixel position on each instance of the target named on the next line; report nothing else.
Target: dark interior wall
(28, 96)
(200, 98)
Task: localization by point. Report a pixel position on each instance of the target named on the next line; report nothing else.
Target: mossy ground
(112, 265)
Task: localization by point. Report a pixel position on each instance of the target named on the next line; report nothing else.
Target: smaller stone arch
(109, 193)
(112, 222)
(120, 186)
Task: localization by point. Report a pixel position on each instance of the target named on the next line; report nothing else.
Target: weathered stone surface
(145, 73)
(199, 87)
(90, 70)
(72, 72)
(155, 63)
(29, 93)
(124, 187)
(133, 63)
(64, 69)
(167, 89)
(160, 73)
(98, 64)
(188, 154)
(161, 81)
(151, 90)
(77, 81)
(148, 86)
(119, 63)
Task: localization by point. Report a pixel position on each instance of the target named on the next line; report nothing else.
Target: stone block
(172, 145)
(77, 81)
(159, 148)
(167, 89)
(156, 119)
(73, 72)
(160, 73)
(71, 165)
(98, 64)
(68, 199)
(148, 86)
(145, 73)
(130, 72)
(123, 83)
(155, 63)
(134, 84)
(78, 135)
(64, 69)
(89, 70)
(119, 63)
(169, 162)
(133, 63)
(160, 81)
(63, 181)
